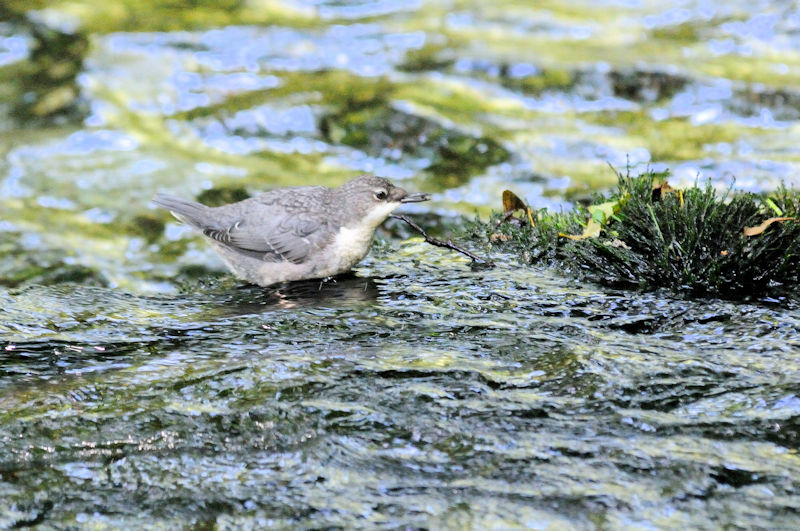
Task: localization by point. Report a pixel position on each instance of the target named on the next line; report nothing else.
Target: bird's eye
(380, 195)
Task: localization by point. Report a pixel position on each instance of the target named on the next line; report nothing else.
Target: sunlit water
(141, 388)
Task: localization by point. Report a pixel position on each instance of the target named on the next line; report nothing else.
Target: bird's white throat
(352, 243)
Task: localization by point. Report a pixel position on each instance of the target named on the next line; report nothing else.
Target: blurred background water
(142, 386)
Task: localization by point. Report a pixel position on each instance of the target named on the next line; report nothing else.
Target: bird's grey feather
(187, 211)
(272, 227)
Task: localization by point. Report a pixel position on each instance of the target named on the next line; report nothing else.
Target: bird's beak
(415, 198)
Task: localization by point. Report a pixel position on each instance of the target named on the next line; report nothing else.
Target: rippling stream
(141, 386)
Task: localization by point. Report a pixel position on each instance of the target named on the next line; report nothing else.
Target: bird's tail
(185, 210)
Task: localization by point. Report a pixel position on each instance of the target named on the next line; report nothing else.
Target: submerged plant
(648, 235)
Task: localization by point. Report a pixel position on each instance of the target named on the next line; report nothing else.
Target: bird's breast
(351, 245)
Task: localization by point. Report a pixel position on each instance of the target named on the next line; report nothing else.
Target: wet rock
(782, 104)
(644, 86)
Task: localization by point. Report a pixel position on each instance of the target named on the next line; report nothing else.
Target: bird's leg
(326, 280)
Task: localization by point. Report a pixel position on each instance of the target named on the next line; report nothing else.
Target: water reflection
(340, 291)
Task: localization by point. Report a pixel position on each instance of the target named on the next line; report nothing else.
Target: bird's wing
(289, 238)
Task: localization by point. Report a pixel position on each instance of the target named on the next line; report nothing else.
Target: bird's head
(371, 199)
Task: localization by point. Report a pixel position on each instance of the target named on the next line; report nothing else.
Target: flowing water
(140, 386)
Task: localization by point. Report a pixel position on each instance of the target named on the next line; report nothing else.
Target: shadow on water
(343, 290)
(101, 341)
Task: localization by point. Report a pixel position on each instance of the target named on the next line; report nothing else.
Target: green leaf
(775, 208)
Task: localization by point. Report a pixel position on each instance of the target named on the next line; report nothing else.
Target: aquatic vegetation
(649, 235)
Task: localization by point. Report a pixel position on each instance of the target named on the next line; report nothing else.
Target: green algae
(687, 33)
(777, 71)
(430, 57)
(148, 15)
(332, 87)
(672, 139)
(361, 116)
(547, 79)
(458, 103)
(155, 136)
(617, 37)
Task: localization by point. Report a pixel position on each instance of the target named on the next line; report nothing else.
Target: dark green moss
(688, 32)
(222, 195)
(195, 271)
(690, 241)
(548, 79)
(44, 87)
(383, 131)
(640, 85)
(77, 274)
(432, 57)
(147, 226)
(46, 268)
(460, 154)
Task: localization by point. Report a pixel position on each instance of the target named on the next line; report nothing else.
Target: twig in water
(447, 245)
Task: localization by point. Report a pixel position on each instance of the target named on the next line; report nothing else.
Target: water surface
(142, 386)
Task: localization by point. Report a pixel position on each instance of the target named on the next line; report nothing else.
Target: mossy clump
(650, 236)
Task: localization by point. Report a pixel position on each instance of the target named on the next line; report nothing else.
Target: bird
(295, 233)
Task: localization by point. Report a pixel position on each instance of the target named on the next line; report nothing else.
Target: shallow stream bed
(418, 393)
(141, 387)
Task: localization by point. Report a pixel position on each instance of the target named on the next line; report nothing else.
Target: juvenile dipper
(295, 233)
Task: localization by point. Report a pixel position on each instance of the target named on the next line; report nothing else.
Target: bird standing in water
(295, 233)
